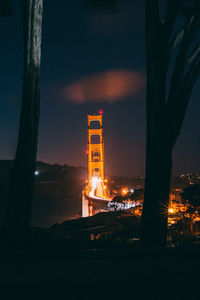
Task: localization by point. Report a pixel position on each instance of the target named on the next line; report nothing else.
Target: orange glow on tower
(96, 189)
(95, 147)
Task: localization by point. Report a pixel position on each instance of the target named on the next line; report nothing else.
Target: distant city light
(87, 152)
(36, 173)
(171, 210)
(124, 191)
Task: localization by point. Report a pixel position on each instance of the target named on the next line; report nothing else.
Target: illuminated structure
(95, 196)
(95, 149)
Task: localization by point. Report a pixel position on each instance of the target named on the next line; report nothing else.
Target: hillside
(57, 194)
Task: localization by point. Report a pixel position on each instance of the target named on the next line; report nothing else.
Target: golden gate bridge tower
(95, 195)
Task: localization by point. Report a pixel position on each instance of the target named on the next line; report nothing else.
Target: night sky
(90, 61)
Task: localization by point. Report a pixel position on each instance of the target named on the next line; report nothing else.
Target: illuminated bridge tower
(94, 197)
(95, 147)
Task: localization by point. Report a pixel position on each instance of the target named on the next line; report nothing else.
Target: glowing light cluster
(93, 183)
(124, 191)
(171, 210)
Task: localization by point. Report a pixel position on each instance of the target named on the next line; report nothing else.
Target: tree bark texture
(165, 111)
(158, 157)
(22, 177)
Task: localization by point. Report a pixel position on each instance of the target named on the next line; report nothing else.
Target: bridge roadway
(97, 199)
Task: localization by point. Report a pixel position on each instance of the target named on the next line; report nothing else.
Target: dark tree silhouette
(166, 42)
(191, 196)
(5, 8)
(138, 194)
(17, 219)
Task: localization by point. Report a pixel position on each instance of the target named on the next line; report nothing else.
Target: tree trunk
(165, 111)
(17, 220)
(156, 197)
(158, 150)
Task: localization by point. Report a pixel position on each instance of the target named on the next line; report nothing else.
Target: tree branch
(176, 40)
(6, 8)
(191, 29)
(152, 22)
(194, 71)
(173, 7)
(194, 54)
(184, 91)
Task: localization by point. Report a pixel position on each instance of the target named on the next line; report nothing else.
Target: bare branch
(176, 40)
(176, 114)
(6, 8)
(152, 22)
(179, 35)
(194, 54)
(189, 35)
(173, 7)
(194, 71)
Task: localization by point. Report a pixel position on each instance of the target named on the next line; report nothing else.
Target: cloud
(107, 86)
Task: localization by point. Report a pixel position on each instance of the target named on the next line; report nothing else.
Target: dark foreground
(115, 273)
